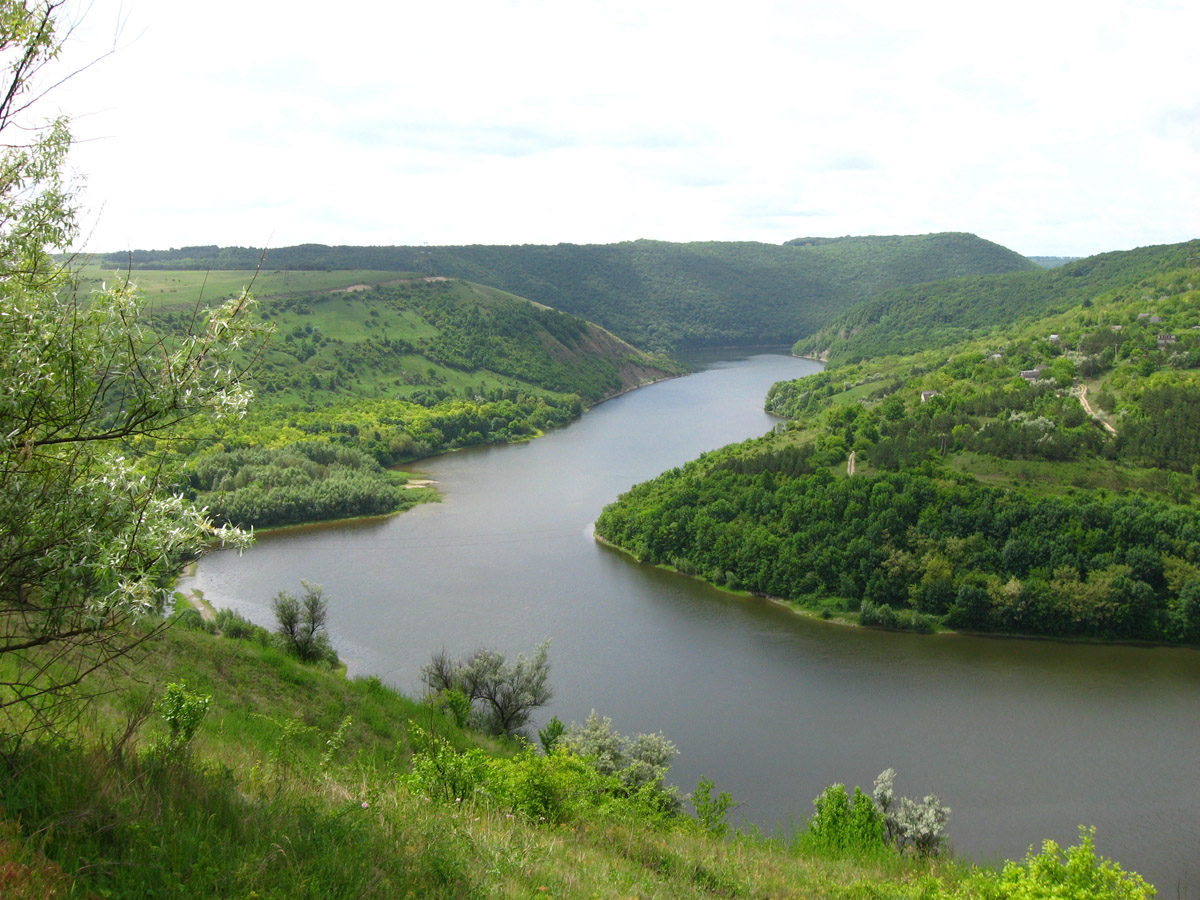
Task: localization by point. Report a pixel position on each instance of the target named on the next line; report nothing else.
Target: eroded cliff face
(634, 367)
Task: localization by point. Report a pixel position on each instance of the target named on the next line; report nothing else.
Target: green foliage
(881, 615)
(549, 736)
(443, 772)
(841, 826)
(1057, 874)
(234, 625)
(974, 556)
(182, 711)
(456, 703)
(907, 823)
(710, 810)
(301, 624)
(336, 743)
(302, 481)
(502, 695)
(1164, 429)
(640, 763)
(88, 536)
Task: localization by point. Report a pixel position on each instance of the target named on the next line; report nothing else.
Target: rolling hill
(656, 294)
(922, 317)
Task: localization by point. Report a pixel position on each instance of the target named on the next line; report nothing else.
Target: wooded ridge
(988, 492)
(655, 294)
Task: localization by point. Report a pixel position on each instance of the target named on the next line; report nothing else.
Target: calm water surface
(1024, 740)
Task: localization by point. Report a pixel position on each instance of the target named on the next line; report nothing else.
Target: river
(1024, 740)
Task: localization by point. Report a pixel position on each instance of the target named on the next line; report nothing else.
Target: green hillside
(354, 333)
(366, 370)
(1041, 479)
(906, 320)
(220, 766)
(653, 293)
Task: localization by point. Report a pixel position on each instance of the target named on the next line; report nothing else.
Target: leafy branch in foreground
(88, 537)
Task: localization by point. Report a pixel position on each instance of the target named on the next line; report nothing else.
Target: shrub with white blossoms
(640, 762)
(908, 823)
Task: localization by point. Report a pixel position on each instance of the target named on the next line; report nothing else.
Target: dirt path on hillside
(1099, 417)
(850, 464)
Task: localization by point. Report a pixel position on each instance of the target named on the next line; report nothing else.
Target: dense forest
(282, 466)
(973, 557)
(655, 294)
(975, 486)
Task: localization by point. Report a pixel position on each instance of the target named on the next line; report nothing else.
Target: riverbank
(633, 388)
(342, 774)
(841, 617)
(789, 605)
(508, 559)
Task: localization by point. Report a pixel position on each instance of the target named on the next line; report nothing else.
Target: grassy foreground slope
(654, 293)
(300, 784)
(1041, 479)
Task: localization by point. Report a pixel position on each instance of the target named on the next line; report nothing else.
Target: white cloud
(1051, 128)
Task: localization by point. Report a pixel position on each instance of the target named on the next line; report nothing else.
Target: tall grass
(301, 784)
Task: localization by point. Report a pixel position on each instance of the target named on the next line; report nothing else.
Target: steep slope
(426, 336)
(910, 319)
(292, 781)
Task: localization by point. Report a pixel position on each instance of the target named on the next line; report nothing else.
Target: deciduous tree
(504, 694)
(89, 533)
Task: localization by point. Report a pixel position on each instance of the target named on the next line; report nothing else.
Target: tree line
(967, 555)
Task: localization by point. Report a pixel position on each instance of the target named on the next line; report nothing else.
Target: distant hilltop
(656, 294)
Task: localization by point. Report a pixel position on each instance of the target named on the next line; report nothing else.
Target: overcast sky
(1052, 127)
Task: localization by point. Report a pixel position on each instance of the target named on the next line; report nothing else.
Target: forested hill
(921, 317)
(369, 369)
(1040, 478)
(656, 294)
